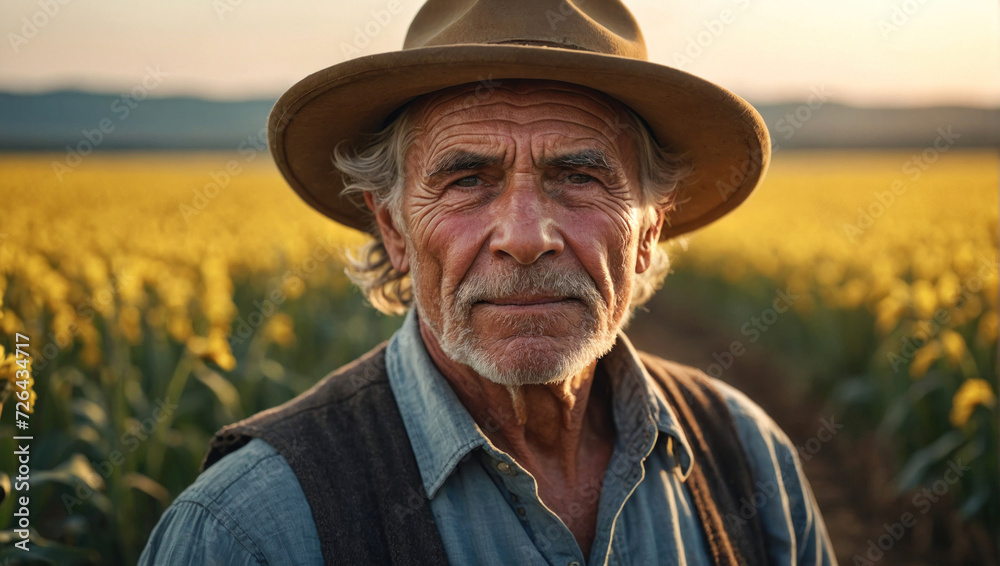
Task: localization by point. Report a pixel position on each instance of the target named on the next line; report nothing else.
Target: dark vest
(345, 440)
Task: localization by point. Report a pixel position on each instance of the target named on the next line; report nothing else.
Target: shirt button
(520, 511)
(574, 563)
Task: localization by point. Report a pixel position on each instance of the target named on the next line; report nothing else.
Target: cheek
(606, 244)
(445, 245)
(610, 215)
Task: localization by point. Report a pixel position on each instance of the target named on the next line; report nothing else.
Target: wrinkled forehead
(511, 97)
(557, 117)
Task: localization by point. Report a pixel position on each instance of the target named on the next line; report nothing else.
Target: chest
(577, 505)
(631, 514)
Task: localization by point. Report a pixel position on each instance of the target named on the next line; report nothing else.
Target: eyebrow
(593, 158)
(461, 160)
(455, 161)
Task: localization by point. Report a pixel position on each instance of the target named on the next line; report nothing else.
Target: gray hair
(378, 167)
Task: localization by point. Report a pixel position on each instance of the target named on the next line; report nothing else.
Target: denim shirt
(249, 508)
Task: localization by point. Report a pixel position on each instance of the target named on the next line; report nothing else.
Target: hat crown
(601, 26)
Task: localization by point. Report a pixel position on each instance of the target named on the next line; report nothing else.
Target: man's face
(521, 227)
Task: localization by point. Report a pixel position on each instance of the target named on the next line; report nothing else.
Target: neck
(554, 427)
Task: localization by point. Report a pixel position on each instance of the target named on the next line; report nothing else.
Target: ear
(647, 242)
(392, 237)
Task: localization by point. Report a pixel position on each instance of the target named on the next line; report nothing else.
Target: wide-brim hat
(592, 43)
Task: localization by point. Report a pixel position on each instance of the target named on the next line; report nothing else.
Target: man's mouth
(525, 300)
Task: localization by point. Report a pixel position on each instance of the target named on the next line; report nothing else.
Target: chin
(528, 359)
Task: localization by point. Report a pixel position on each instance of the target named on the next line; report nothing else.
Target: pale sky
(862, 52)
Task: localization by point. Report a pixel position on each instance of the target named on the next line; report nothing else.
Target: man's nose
(525, 229)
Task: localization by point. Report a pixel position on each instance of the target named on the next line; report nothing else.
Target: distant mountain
(56, 120)
(795, 126)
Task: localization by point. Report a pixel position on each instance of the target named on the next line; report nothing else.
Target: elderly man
(509, 420)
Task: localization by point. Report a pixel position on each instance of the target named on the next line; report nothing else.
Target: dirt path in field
(845, 475)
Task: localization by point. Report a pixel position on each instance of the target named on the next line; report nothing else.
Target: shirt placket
(624, 473)
(637, 435)
(551, 537)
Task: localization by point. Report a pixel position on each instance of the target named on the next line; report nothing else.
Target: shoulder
(256, 475)
(751, 420)
(753, 425)
(357, 388)
(782, 496)
(246, 509)
(343, 385)
(769, 450)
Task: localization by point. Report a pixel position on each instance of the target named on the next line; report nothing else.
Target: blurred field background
(166, 296)
(171, 283)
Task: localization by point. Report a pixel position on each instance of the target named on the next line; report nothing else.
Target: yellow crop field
(165, 295)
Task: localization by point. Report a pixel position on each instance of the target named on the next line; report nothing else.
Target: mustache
(533, 279)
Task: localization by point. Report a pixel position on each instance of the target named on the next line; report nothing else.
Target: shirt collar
(440, 428)
(638, 400)
(442, 432)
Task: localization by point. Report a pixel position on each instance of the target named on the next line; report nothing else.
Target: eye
(579, 178)
(467, 182)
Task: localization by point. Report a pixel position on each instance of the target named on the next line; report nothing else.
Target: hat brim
(723, 138)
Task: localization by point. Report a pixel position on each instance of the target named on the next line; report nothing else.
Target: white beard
(541, 355)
